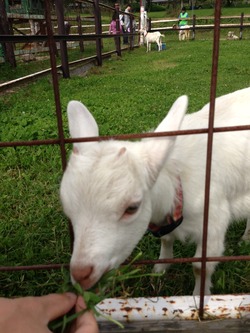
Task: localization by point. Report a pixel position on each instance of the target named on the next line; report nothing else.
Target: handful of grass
(105, 288)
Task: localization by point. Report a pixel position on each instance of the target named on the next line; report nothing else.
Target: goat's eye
(132, 209)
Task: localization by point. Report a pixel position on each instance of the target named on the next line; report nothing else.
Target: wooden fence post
(241, 25)
(79, 21)
(118, 38)
(63, 43)
(98, 31)
(149, 24)
(5, 29)
(193, 29)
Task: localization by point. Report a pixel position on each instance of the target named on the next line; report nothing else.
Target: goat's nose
(82, 275)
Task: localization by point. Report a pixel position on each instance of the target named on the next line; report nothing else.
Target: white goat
(112, 190)
(153, 37)
(232, 36)
(184, 31)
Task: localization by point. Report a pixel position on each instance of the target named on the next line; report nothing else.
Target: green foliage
(126, 95)
(109, 285)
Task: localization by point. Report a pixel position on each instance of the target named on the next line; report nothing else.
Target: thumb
(56, 305)
(85, 322)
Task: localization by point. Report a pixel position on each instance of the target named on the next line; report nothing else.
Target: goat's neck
(163, 195)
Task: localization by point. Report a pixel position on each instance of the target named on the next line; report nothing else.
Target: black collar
(159, 231)
(171, 221)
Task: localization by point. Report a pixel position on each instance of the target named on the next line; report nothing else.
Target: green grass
(126, 95)
(225, 11)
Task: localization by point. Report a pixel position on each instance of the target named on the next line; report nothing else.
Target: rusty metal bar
(123, 136)
(209, 151)
(55, 83)
(137, 263)
(57, 99)
(62, 141)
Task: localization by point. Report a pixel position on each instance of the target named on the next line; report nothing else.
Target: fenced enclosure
(18, 164)
(83, 22)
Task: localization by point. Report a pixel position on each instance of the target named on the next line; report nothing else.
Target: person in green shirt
(183, 17)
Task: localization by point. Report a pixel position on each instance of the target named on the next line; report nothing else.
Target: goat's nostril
(81, 274)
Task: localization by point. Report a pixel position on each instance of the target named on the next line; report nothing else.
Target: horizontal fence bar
(28, 78)
(93, 36)
(57, 38)
(123, 136)
(137, 263)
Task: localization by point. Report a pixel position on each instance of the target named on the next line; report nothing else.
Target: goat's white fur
(153, 37)
(184, 31)
(104, 178)
(232, 36)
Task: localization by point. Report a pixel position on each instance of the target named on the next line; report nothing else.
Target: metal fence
(62, 141)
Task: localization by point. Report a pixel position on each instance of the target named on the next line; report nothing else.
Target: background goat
(153, 37)
(184, 32)
(232, 36)
(112, 190)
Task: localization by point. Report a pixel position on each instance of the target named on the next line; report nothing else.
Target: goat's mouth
(87, 276)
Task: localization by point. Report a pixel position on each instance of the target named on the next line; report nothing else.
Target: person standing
(183, 18)
(128, 10)
(134, 26)
(114, 29)
(113, 26)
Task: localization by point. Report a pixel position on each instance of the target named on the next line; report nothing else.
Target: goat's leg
(180, 36)
(246, 236)
(159, 46)
(167, 243)
(215, 247)
(210, 267)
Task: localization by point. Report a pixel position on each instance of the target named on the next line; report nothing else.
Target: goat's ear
(158, 149)
(81, 123)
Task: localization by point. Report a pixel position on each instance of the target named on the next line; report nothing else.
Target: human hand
(85, 323)
(32, 314)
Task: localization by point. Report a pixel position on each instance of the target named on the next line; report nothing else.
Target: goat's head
(105, 191)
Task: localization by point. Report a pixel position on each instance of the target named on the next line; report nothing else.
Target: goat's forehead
(104, 168)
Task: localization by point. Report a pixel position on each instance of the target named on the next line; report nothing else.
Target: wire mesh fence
(57, 153)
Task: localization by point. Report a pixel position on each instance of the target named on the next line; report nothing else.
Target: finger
(80, 304)
(56, 305)
(85, 322)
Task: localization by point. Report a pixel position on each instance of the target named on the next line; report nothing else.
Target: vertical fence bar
(55, 82)
(209, 150)
(63, 43)
(118, 38)
(98, 31)
(241, 24)
(149, 24)
(57, 97)
(5, 29)
(79, 23)
(193, 29)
